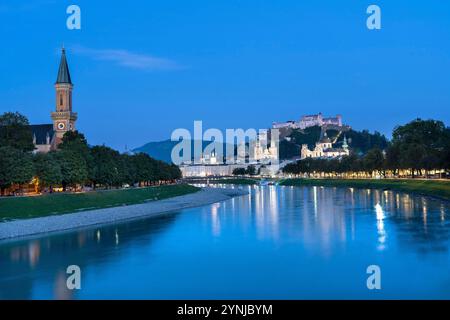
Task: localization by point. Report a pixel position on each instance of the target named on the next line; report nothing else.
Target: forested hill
(363, 141)
(359, 141)
(290, 144)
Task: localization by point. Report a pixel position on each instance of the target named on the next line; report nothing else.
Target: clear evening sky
(143, 68)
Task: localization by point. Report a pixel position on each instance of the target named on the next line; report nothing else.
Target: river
(276, 243)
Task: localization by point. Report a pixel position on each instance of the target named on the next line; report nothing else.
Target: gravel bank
(31, 227)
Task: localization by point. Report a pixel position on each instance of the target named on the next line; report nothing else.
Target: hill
(162, 150)
(359, 141)
(290, 143)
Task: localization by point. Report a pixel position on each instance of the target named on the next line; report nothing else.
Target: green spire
(63, 72)
(344, 144)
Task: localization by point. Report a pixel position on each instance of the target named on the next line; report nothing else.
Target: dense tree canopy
(15, 131)
(16, 167)
(47, 169)
(422, 144)
(418, 147)
(106, 168)
(360, 141)
(363, 141)
(250, 170)
(75, 163)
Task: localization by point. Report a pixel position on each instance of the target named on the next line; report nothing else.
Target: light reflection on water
(276, 242)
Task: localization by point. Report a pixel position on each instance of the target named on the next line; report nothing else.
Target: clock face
(61, 126)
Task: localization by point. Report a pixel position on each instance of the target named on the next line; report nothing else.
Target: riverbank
(224, 180)
(237, 181)
(433, 188)
(58, 223)
(12, 208)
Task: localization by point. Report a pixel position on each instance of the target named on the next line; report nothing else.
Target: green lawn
(38, 206)
(434, 188)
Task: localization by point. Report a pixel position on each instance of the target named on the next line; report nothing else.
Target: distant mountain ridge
(162, 150)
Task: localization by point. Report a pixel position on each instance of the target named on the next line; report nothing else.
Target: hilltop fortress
(309, 121)
(325, 147)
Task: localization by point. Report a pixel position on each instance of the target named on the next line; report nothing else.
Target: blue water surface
(276, 243)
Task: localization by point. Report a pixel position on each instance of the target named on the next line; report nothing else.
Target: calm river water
(275, 243)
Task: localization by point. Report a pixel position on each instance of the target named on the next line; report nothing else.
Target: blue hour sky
(144, 68)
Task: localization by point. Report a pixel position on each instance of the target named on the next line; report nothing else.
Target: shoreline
(19, 229)
(429, 188)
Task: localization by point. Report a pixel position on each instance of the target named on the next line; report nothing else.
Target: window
(60, 99)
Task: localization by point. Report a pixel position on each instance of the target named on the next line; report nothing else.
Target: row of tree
(416, 149)
(250, 170)
(75, 163)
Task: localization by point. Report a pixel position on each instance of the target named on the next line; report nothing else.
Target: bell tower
(63, 117)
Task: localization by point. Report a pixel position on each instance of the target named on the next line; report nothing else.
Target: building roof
(40, 131)
(334, 150)
(311, 116)
(63, 72)
(324, 138)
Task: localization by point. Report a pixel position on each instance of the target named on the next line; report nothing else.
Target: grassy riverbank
(434, 188)
(39, 206)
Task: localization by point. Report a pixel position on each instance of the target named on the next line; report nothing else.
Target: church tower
(63, 117)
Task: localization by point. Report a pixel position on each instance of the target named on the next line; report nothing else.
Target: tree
(74, 141)
(421, 144)
(15, 131)
(288, 149)
(445, 154)
(393, 155)
(307, 136)
(362, 141)
(175, 172)
(16, 167)
(374, 161)
(73, 168)
(412, 155)
(350, 163)
(239, 171)
(128, 169)
(166, 172)
(251, 170)
(144, 168)
(106, 167)
(47, 169)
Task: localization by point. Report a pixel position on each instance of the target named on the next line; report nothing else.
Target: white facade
(261, 151)
(309, 121)
(337, 121)
(209, 170)
(324, 149)
(282, 125)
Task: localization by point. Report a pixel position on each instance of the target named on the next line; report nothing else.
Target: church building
(324, 149)
(47, 137)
